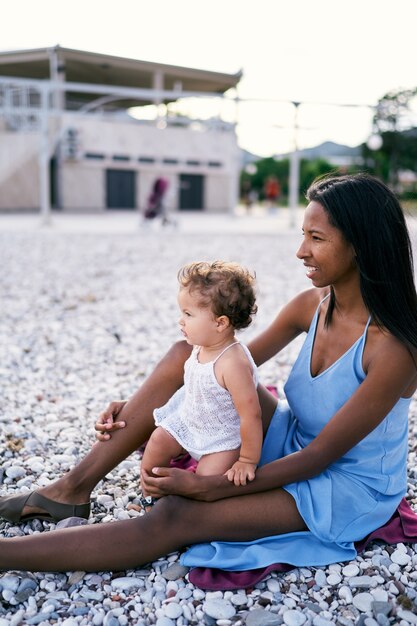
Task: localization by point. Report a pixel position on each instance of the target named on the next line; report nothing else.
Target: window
(94, 155)
(120, 157)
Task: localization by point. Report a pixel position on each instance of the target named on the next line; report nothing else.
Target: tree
(392, 122)
(393, 111)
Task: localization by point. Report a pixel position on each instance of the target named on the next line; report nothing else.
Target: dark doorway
(53, 183)
(120, 189)
(191, 192)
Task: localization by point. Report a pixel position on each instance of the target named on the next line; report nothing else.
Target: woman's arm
(390, 373)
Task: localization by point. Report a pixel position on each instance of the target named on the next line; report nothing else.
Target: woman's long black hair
(371, 219)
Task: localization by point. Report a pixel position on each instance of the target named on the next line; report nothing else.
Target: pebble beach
(86, 313)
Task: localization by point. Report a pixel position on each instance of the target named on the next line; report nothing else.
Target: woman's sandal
(11, 508)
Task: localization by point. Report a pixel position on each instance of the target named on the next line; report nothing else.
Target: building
(69, 139)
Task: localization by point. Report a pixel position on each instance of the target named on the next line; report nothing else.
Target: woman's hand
(164, 481)
(107, 422)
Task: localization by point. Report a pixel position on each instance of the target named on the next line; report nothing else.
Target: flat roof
(80, 66)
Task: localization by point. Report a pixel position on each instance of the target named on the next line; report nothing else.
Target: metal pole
(294, 179)
(235, 183)
(44, 178)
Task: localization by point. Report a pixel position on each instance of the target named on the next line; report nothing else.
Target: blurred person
(272, 190)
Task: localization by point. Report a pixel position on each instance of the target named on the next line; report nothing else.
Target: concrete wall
(82, 187)
(19, 171)
(82, 181)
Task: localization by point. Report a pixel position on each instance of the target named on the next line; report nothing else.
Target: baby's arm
(238, 379)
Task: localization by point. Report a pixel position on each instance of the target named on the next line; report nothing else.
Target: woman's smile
(310, 270)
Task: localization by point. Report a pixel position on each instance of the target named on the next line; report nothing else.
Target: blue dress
(352, 497)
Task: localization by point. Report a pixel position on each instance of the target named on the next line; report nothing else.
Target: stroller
(155, 207)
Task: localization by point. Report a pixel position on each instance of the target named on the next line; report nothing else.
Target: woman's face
(327, 256)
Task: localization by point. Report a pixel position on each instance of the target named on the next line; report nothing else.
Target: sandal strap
(58, 510)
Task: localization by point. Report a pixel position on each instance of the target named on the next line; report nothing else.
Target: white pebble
(173, 610)
(164, 621)
(8, 595)
(320, 578)
(294, 618)
(105, 500)
(408, 616)
(15, 471)
(350, 570)
(333, 579)
(345, 594)
(125, 583)
(400, 557)
(219, 609)
(363, 601)
(239, 599)
(273, 585)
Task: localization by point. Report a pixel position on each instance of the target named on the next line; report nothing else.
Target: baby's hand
(240, 472)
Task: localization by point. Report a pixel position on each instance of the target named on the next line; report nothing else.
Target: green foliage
(391, 109)
(399, 143)
(309, 170)
(397, 152)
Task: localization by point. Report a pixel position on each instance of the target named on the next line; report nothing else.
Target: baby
(215, 416)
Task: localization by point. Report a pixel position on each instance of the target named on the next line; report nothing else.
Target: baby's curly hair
(226, 287)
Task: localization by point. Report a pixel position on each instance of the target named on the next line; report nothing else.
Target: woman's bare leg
(75, 486)
(268, 404)
(172, 524)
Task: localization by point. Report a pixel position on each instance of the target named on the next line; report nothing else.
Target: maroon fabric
(402, 527)
(184, 462)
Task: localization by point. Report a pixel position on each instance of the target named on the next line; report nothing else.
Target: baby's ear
(223, 322)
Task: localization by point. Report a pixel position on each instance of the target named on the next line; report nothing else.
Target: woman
(334, 464)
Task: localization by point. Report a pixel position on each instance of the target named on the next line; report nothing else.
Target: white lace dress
(201, 415)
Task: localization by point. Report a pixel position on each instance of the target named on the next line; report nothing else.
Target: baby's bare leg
(160, 449)
(217, 462)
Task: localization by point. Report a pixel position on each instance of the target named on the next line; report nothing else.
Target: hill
(336, 153)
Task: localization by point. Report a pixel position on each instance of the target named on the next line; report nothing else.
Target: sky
(323, 53)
